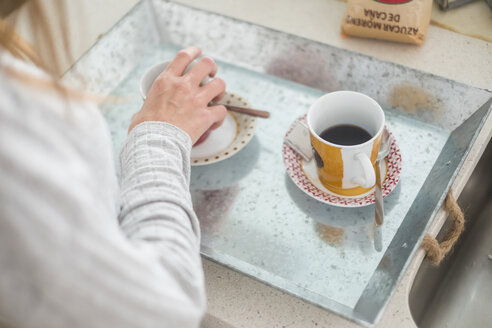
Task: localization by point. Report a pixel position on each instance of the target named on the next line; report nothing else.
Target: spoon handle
(247, 111)
(378, 194)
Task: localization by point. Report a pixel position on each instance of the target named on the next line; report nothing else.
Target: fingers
(217, 114)
(213, 90)
(203, 68)
(183, 58)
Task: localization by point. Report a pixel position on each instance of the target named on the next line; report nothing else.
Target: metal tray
(254, 219)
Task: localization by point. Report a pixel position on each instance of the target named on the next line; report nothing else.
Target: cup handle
(369, 176)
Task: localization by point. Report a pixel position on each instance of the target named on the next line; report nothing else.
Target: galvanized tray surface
(253, 218)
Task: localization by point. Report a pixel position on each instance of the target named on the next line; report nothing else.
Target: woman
(76, 249)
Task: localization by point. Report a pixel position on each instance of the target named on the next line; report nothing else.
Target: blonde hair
(46, 18)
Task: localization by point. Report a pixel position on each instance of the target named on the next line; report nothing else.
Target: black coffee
(345, 135)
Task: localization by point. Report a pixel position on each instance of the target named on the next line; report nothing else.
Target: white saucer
(232, 136)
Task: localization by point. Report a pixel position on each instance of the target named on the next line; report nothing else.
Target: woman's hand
(179, 99)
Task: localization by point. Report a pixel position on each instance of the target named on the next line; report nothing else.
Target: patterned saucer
(232, 136)
(304, 175)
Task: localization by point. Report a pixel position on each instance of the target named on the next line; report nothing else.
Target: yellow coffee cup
(345, 129)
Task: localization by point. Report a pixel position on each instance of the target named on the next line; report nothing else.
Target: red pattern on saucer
(293, 166)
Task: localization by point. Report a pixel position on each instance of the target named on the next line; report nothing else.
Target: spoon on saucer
(244, 110)
(384, 150)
